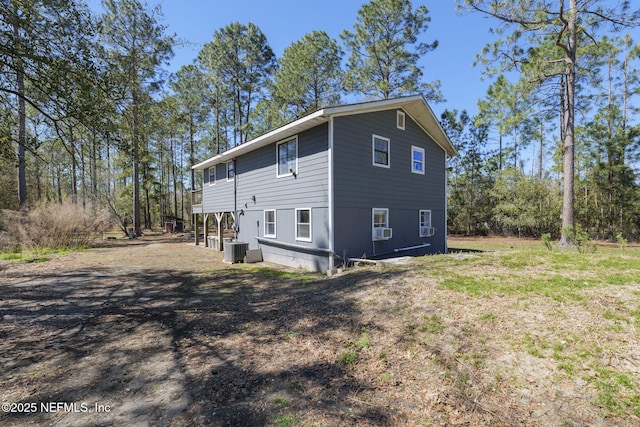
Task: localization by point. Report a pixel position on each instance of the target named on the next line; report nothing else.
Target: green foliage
(431, 324)
(580, 238)
(280, 401)
(620, 239)
(286, 420)
(483, 199)
(384, 50)
(348, 357)
(238, 61)
(471, 177)
(507, 107)
(552, 68)
(546, 241)
(309, 75)
(524, 205)
(353, 347)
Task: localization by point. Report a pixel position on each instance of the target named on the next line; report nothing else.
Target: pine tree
(535, 23)
(137, 47)
(385, 48)
(239, 61)
(309, 75)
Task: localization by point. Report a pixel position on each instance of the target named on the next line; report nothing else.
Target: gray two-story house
(364, 180)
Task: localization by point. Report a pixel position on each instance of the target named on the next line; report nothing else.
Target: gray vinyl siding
(361, 186)
(259, 188)
(358, 187)
(252, 225)
(256, 175)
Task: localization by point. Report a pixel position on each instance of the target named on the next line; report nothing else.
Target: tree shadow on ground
(236, 346)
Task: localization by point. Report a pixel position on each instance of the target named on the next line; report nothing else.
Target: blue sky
(460, 36)
(286, 21)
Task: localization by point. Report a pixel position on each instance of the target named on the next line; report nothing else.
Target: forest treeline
(90, 116)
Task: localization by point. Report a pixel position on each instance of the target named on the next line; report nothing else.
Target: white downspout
(446, 204)
(331, 196)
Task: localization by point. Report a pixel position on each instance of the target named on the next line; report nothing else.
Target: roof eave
(275, 135)
(428, 122)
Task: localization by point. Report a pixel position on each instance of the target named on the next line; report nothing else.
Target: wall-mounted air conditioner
(427, 231)
(382, 233)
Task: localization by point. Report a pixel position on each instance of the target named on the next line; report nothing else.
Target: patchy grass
(513, 335)
(36, 255)
(532, 270)
(573, 311)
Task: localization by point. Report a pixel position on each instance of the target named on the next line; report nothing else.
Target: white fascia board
(366, 107)
(415, 106)
(275, 135)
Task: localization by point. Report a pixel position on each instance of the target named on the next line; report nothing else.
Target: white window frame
(373, 221)
(424, 159)
(232, 162)
(209, 170)
(373, 151)
(401, 120)
(275, 223)
(289, 173)
(422, 224)
(302, 238)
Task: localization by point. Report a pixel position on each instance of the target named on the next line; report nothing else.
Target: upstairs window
(287, 157)
(211, 174)
(303, 225)
(381, 149)
(400, 120)
(417, 160)
(231, 170)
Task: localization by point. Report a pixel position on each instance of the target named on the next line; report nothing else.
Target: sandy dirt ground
(157, 332)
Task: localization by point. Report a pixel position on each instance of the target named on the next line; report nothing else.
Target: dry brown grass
(51, 225)
(168, 335)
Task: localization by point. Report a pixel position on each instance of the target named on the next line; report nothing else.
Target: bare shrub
(52, 225)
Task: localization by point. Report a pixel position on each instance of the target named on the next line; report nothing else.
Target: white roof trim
(415, 106)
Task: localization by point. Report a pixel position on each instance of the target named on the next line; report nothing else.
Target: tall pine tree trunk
(22, 113)
(568, 149)
(175, 179)
(136, 167)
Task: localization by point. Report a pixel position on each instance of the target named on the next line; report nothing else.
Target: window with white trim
(211, 174)
(425, 224)
(231, 170)
(287, 153)
(400, 119)
(270, 223)
(380, 224)
(417, 159)
(303, 224)
(381, 148)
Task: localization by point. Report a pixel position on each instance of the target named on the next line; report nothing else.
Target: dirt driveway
(160, 332)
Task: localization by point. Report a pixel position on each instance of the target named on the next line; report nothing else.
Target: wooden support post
(206, 230)
(196, 231)
(219, 216)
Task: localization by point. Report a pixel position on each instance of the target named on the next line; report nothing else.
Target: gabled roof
(415, 106)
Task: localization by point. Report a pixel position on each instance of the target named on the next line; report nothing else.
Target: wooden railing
(196, 202)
